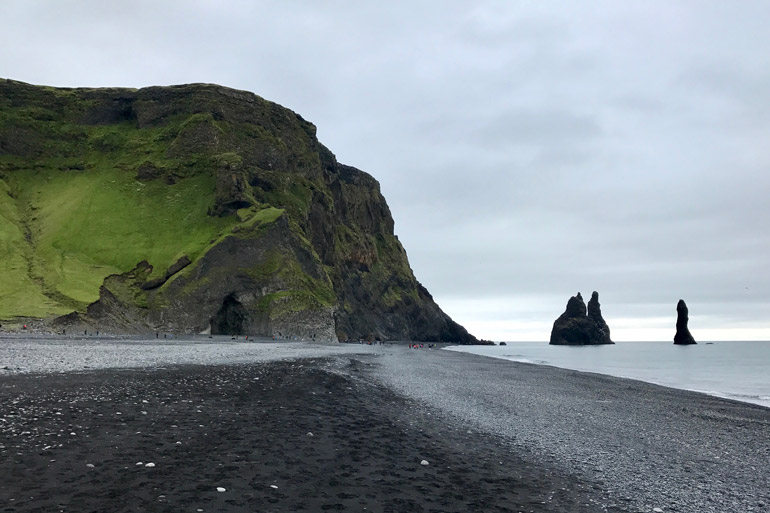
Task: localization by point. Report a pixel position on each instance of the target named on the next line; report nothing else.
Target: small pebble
(149, 465)
(90, 465)
(220, 489)
(310, 433)
(424, 463)
(657, 510)
(274, 487)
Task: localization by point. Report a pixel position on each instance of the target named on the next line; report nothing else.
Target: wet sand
(348, 432)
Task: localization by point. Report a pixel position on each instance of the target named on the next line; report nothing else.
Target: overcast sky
(527, 149)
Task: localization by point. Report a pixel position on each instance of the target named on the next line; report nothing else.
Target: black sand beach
(349, 432)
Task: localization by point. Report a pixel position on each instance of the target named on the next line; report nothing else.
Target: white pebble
(149, 465)
(310, 433)
(274, 487)
(657, 510)
(90, 465)
(139, 463)
(424, 463)
(220, 489)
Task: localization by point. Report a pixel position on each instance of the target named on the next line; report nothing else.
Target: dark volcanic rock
(575, 327)
(683, 336)
(306, 246)
(595, 315)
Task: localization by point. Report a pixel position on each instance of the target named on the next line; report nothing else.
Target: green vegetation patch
(81, 226)
(300, 291)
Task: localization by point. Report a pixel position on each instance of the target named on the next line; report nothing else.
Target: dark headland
(195, 209)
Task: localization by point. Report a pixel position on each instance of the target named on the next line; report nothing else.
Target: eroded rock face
(683, 335)
(579, 326)
(304, 247)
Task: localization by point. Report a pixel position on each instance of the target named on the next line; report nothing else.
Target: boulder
(683, 336)
(579, 326)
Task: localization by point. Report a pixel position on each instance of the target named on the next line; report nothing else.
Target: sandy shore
(348, 429)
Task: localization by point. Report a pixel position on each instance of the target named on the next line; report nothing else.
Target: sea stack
(683, 336)
(579, 326)
(595, 315)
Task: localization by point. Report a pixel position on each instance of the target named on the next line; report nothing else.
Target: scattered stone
(149, 465)
(274, 487)
(90, 465)
(220, 489)
(310, 433)
(424, 463)
(682, 336)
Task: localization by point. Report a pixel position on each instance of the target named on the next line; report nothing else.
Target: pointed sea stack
(683, 336)
(595, 315)
(575, 327)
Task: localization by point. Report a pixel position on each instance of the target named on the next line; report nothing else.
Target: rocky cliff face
(195, 208)
(683, 336)
(579, 325)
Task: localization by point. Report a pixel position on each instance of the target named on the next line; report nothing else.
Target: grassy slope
(86, 225)
(19, 293)
(67, 222)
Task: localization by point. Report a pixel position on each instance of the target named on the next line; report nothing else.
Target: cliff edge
(196, 208)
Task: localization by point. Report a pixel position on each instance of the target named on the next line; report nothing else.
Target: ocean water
(735, 370)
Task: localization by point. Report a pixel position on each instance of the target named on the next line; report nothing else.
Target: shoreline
(646, 446)
(663, 378)
(516, 437)
(718, 395)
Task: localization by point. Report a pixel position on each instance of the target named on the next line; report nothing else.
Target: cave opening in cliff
(230, 319)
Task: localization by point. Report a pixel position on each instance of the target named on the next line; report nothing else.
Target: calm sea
(735, 370)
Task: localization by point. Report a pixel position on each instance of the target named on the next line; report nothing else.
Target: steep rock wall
(290, 241)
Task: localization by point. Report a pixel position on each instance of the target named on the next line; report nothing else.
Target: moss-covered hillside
(194, 208)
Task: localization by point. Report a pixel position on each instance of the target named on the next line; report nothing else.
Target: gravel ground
(643, 446)
(635, 447)
(46, 354)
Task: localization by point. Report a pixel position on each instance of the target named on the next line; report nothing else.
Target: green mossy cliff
(193, 208)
